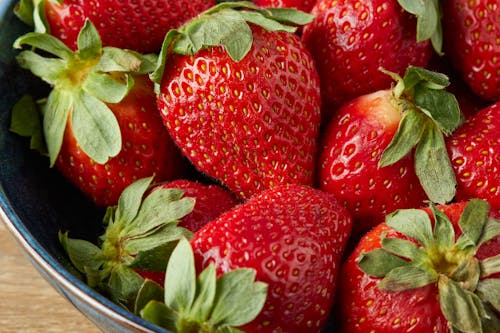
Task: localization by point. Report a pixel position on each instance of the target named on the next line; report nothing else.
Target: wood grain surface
(27, 302)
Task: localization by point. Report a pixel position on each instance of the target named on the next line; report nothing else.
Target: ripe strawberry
(135, 25)
(303, 5)
(471, 38)
(100, 121)
(293, 236)
(475, 156)
(364, 153)
(413, 275)
(245, 113)
(351, 40)
(211, 201)
(141, 232)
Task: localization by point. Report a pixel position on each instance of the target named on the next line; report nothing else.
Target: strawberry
(141, 232)
(100, 120)
(471, 39)
(351, 40)
(293, 236)
(432, 270)
(136, 25)
(303, 5)
(475, 156)
(366, 156)
(245, 112)
(211, 201)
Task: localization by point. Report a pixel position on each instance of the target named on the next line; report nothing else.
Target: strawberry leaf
(123, 285)
(159, 314)
(26, 121)
(404, 248)
(406, 277)
(205, 294)
(443, 229)
(149, 291)
(379, 262)
(406, 137)
(489, 291)
(433, 166)
(414, 223)
(157, 237)
(89, 42)
(130, 200)
(48, 69)
(490, 266)
(472, 222)
(180, 279)
(288, 15)
(151, 257)
(441, 106)
(107, 89)
(45, 42)
(83, 254)
(118, 60)
(95, 128)
(57, 111)
(491, 230)
(24, 11)
(461, 307)
(234, 305)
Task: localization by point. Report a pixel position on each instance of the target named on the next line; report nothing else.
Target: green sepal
(414, 223)
(205, 303)
(462, 308)
(149, 291)
(85, 80)
(95, 128)
(489, 291)
(26, 121)
(490, 266)
(130, 200)
(159, 314)
(444, 234)
(428, 113)
(24, 11)
(225, 24)
(82, 253)
(379, 262)
(405, 278)
(491, 229)
(154, 258)
(123, 285)
(428, 15)
(433, 166)
(404, 249)
(57, 111)
(156, 242)
(472, 222)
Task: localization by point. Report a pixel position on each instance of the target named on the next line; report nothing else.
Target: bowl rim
(56, 274)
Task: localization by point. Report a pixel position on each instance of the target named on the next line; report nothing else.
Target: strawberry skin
(251, 124)
(293, 236)
(366, 308)
(351, 40)
(147, 149)
(471, 38)
(136, 25)
(303, 5)
(475, 154)
(351, 147)
(211, 201)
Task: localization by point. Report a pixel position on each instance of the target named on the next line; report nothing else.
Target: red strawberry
(211, 201)
(471, 39)
(475, 155)
(303, 5)
(100, 121)
(351, 40)
(136, 25)
(413, 275)
(364, 155)
(245, 113)
(293, 236)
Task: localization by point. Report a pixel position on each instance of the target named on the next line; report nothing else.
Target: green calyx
(226, 24)
(428, 14)
(140, 235)
(83, 82)
(203, 303)
(468, 296)
(429, 114)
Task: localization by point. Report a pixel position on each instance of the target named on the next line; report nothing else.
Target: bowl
(36, 201)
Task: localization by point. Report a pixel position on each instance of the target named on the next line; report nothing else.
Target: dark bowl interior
(36, 201)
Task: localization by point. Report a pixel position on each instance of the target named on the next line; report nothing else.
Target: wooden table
(28, 304)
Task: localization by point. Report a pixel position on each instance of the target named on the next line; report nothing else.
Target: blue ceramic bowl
(36, 202)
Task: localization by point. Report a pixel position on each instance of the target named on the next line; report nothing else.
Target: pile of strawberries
(278, 166)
